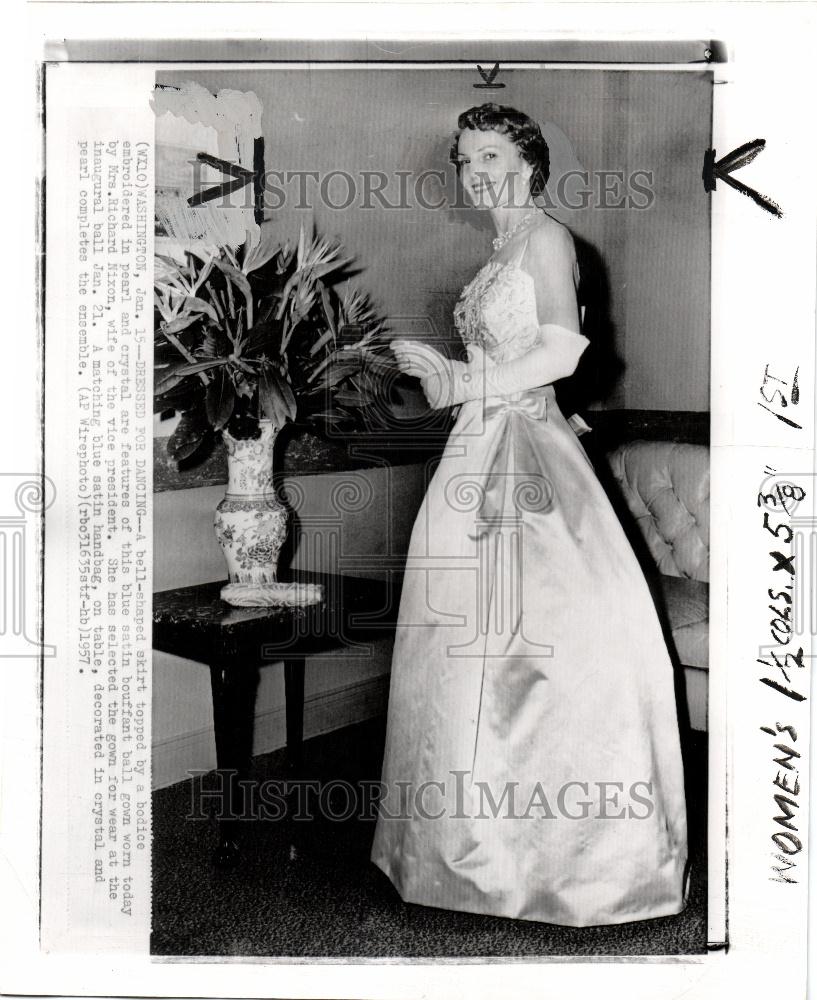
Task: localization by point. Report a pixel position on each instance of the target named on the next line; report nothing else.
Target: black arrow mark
(241, 178)
(488, 79)
(738, 158)
(780, 416)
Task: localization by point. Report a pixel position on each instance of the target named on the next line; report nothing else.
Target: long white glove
(447, 383)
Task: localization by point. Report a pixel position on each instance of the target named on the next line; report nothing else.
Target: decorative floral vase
(251, 526)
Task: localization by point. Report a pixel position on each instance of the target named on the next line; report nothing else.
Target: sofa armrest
(686, 604)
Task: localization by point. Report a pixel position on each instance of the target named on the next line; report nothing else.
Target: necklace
(500, 240)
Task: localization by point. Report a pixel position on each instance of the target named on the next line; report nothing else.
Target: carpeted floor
(308, 888)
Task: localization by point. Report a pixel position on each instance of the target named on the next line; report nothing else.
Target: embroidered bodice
(497, 311)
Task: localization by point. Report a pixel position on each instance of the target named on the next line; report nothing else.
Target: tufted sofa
(666, 489)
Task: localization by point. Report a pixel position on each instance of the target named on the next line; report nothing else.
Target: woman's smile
(491, 169)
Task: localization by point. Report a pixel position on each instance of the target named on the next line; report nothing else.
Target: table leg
(233, 688)
(294, 697)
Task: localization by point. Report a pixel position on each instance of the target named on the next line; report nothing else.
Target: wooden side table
(195, 623)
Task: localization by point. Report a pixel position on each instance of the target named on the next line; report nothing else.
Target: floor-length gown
(532, 765)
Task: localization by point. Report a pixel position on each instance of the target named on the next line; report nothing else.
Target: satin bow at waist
(515, 462)
(533, 404)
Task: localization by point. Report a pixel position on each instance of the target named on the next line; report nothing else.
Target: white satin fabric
(532, 765)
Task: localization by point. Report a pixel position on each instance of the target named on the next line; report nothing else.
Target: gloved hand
(447, 383)
(441, 378)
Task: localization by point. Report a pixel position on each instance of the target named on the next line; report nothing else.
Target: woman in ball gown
(533, 766)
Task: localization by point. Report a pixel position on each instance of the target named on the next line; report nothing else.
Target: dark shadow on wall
(600, 367)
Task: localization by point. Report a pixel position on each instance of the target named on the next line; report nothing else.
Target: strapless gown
(532, 766)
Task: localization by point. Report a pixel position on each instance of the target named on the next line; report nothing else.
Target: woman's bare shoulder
(551, 238)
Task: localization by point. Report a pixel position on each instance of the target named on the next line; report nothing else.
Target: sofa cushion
(666, 486)
(687, 606)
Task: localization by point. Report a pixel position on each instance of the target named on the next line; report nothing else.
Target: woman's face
(492, 171)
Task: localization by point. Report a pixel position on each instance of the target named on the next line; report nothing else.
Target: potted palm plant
(246, 341)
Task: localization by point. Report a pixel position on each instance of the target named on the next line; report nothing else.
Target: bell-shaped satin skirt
(533, 766)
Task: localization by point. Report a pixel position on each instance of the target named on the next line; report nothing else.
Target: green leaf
(220, 399)
(272, 402)
(332, 265)
(243, 387)
(277, 399)
(165, 353)
(168, 378)
(327, 308)
(202, 366)
(333, 419)
(346, 397)
(285, 294)
(201, 306)
(322, 342)
(289, 397)
(240, 280)
(337, 371)
(188, 436)
(301, 245)
(379, 365)
(180, 323)
(264, 338)
(215, 344)
(178, 399)
(170, 262)
(336, 416)
(266, 248)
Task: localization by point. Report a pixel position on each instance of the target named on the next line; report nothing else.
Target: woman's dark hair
(523, 132)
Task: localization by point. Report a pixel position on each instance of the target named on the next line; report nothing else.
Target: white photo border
(751, 251)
